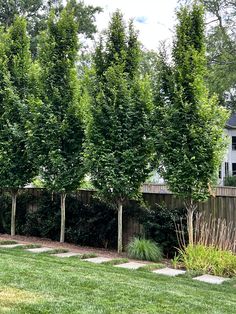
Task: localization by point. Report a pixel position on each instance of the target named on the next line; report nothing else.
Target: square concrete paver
(10, 246)
(131, 265)
(40, 250)
(169, 272)
(211, 279)
(67, 254)
(97, 260)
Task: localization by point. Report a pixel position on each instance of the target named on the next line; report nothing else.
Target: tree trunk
(63, 216)
(120, 244)
(191, 207)
(13, 212)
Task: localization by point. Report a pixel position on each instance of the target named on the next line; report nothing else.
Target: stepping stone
(97, 260)
(131, 265)
(211, 279)
(11, 246)
(169, 272)
(40, 250)
(67, 254)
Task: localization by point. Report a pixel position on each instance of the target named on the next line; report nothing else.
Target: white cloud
(153, 18)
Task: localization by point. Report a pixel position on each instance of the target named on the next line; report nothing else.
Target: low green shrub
(208, 260)
(159, 225)
(144, 250)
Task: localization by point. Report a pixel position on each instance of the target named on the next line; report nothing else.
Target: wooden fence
(222, 205)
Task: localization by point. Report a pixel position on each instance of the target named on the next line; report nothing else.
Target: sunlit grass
(12, 297)
(40, 283)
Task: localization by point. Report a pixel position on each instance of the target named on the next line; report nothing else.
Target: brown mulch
(68, 246)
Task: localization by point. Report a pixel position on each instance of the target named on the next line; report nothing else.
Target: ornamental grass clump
(208, 260)
(144, 250)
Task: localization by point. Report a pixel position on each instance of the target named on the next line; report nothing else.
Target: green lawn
(31, 283)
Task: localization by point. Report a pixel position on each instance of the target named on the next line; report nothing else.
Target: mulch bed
(71, 247)
(68, 246)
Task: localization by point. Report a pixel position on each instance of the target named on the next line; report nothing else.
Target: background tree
(221, 49)
(150, 66)
(192, 136)
(118, 135)
(16, 168)
(36, 12)
(57, 130)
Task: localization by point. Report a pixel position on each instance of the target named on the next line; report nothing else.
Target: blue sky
(153, 18)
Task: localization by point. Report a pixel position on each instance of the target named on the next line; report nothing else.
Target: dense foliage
(118, 138)
(16, 167)
(159, 223)
(57, 130)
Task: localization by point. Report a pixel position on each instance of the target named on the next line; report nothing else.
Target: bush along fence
(221, 205)
(89, 221)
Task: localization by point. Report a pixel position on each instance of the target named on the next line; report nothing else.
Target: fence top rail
(163, 189)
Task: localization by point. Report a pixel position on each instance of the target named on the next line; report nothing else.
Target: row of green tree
(111, 123)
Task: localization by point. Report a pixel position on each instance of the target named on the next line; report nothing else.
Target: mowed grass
(40, 283)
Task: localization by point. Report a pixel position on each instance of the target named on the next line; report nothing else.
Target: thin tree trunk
(190, 226)
(191, 207)
(63, 216)
(13, 212)
(120, 212)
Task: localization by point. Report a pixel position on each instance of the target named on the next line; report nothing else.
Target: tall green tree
(16, 167)
(57, 131)
(192, 139)
(119, 148)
